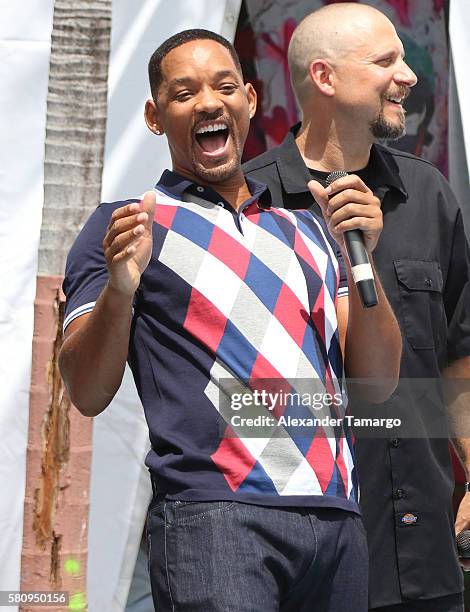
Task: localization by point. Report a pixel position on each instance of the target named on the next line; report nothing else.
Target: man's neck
(235, 193)
(234, 190)
(324, 149)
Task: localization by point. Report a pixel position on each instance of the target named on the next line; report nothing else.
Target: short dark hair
(155, 63)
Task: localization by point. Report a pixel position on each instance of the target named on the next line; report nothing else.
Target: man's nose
(208, 101)
(405, 75)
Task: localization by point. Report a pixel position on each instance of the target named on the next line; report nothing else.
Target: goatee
(384, 130)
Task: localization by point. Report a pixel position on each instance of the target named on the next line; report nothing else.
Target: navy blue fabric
(172, 367)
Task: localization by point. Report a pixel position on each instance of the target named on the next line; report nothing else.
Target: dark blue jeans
(230, 556)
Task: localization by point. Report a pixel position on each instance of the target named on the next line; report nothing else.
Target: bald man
(350, 78)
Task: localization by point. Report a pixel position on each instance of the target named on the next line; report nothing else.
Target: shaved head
(330, 33)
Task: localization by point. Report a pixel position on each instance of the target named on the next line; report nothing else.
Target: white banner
(134, 160)
(25, 31)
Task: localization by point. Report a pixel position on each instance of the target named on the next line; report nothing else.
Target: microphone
(358, 257)
(463, 544)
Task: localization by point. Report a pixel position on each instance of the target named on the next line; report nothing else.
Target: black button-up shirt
(406, 483)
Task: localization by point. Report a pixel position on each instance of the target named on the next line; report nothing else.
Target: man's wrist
(122, 295)
(117, 302)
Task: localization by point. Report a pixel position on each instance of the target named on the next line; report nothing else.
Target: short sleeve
(457, 295)
(85, 271)
(343, 277)
(458, 340)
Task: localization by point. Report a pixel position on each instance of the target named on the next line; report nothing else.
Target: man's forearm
(457, 376)
(457, 391)
(462, 449)
(373, 343)
(94, 352)
(462, 519)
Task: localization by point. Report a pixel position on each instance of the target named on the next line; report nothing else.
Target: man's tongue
(212, 141)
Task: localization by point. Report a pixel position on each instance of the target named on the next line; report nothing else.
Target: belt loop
(154, 485)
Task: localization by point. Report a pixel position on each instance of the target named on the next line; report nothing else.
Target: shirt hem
(299, 501)
(397, 601)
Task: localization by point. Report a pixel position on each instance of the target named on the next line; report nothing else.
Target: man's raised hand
(349, 204)
(128, 243)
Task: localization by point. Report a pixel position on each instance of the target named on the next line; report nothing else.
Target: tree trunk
(55, 526)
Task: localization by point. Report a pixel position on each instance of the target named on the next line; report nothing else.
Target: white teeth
(215, 127)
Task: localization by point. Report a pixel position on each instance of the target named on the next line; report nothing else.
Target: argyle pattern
(262, 303)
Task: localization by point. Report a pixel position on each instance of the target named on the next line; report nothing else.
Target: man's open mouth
(399, 97)
(213, 138)
(396, 100)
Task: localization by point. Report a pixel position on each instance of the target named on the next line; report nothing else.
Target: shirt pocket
(420, 285)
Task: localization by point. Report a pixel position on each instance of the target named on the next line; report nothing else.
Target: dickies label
(407, 519)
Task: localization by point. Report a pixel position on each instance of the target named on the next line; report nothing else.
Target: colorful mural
(265, 29)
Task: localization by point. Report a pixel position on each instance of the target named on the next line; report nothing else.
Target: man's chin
(387, 131)
(218, 174)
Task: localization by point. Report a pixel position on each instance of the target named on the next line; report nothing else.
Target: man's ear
(252, 98)
(151, 117)
(321, 75)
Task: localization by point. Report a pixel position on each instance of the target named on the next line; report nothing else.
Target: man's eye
(385, 61)
(181, 96)
(228, 87)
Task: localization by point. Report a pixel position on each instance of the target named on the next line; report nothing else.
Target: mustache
(215, 116)
(402, 91)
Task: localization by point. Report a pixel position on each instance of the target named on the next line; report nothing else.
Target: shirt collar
(259, 193)
(295, 175)
(292, 169)
(174, 185)
(383, 170)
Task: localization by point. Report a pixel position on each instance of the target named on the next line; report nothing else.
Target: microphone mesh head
(335, 175)
(463, 543)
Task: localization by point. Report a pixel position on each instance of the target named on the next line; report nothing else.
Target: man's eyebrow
(180, 81)
(221, 74)
(389, 51)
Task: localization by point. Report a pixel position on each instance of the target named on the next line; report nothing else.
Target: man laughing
(202, 284)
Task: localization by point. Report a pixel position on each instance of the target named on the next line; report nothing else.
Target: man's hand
(128, 244)
(94, 352)
(457, 400)
(462, 522)
(349, 204)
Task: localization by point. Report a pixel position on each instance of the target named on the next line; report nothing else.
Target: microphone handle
(358, 258)
(361, 268)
